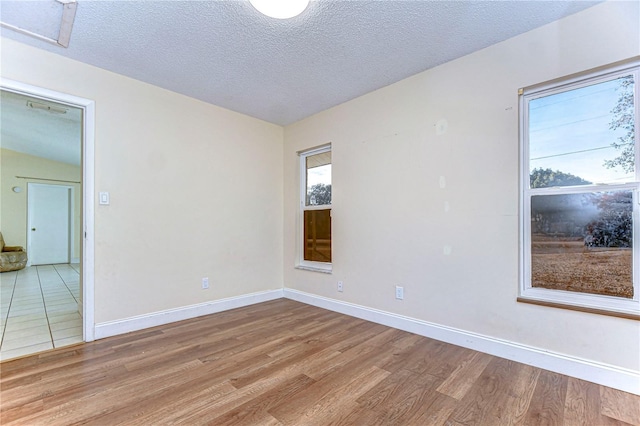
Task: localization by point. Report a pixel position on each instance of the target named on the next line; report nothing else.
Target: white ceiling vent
(49, 21)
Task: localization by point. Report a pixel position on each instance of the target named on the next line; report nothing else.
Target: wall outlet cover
(399, 292)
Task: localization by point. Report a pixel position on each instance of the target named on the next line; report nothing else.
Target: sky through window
(571, 132)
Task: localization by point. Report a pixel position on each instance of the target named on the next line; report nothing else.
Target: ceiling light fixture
(66, 25)
(280, 9)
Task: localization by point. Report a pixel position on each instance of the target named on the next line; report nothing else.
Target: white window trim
(301, 263)
(602, 304)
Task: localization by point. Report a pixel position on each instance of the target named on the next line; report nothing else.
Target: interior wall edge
(603, 374)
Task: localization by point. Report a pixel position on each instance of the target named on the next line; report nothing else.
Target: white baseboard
(602, 374)
(113, 328)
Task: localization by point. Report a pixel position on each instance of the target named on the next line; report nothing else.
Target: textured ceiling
(281, 71)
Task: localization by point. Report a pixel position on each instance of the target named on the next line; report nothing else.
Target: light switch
(104, 198)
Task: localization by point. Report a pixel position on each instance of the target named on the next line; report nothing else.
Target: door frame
(88, 191)
(70, 218)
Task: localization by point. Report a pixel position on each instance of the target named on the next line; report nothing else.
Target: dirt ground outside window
(567, 264)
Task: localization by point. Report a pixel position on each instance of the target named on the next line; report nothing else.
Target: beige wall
(390, 225)
(13, 213)
(196, 190)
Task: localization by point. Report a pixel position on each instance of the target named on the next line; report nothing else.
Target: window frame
(301, 263)
(594, 303)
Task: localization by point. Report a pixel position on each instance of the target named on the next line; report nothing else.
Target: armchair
(11, 258)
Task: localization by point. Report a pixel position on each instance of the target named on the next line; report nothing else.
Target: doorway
(50, 223)
(78, 261)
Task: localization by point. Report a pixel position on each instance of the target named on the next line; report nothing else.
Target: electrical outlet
(340, 286)
(205, 283)
(399, 292)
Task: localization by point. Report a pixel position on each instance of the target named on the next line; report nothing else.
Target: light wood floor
(283, 362)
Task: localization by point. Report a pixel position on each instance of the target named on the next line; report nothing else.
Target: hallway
(39, 309)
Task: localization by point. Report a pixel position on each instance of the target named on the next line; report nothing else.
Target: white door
(49, 212)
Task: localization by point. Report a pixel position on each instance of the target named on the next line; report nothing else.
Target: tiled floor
(39, 309)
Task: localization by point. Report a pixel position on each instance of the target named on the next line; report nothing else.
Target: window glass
(583, 136)
(318, 179)
(583, 242)
(317, 235)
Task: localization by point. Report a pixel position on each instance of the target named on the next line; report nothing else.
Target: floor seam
(46, 314)
(65, 284)
(6, 321)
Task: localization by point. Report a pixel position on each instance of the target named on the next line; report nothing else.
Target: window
(579, 199)
(315, 202)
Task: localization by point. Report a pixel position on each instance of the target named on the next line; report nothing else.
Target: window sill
(599, 311)
(323, 269)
